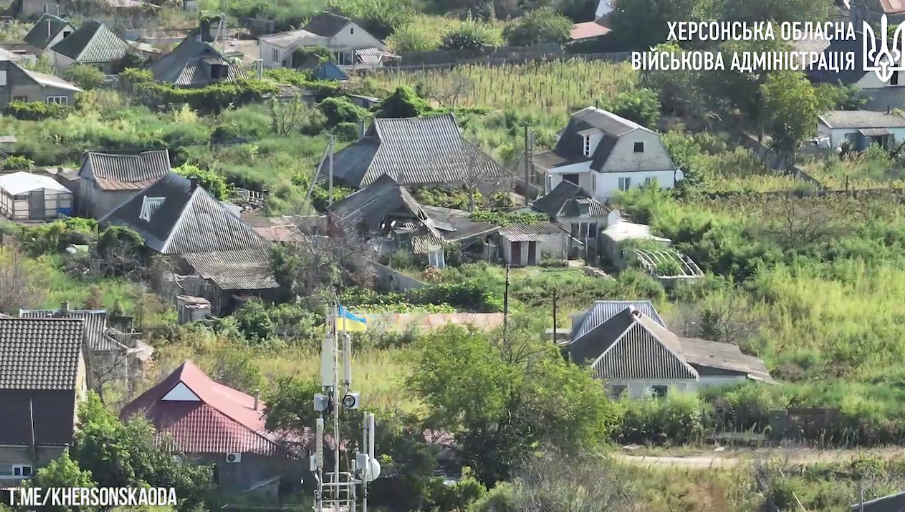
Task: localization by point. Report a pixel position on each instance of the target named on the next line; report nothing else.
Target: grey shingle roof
(603, 310)
(182, 221)
(43, 32)
(93, 42)
(415, 151)
(40, 353)
(128, 172)
(862, 119)
(95, 324)
(531, 232)
(189, 64)
(235, 270)
(569, 200)
(326, 24)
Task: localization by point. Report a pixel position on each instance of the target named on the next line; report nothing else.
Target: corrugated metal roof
(326, 24)
(873, 132)
(235, 270)
(128, 172)
(642, 353)
(45, 80)
(185, 65)
(415, 151)
(93, 42)
(569, 200)
(603, 310)
(287, 39)
(95, 325)
(372, 204)
(184, 222)
(531, 232)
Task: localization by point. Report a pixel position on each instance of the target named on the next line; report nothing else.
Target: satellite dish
(680, 175)
(373, 469)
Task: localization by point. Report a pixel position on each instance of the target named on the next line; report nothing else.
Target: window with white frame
(22, 470)
(2, 78)
(650, 181)
(659, 391)
(625, 184)
(59, 100)
(587, 146)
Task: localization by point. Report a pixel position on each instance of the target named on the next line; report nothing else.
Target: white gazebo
(27, 196)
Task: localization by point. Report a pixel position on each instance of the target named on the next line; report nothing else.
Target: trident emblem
(886, 60)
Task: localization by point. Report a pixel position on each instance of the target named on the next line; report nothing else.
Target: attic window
(149, 206)
(66, 33)
(639, 147)
(587, 145)
(351, 30)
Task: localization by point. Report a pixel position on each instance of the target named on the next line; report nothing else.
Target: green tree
(120, 249)
(778, 11)
(543, 25)
(209, 180)
(505, 397)
(471, 34)
(129, 455)
(341, 110)
(62, 472)
(642, 24)
(404, 102)
(86, 77)
(792, 106)
(641, 106)
(678, 91)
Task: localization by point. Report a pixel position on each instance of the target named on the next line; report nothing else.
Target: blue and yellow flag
(348, 322)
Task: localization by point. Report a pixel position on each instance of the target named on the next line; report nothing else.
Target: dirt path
(728, 459)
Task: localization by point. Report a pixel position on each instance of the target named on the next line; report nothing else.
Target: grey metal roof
(247, 269)
(93, 42)
(531, 232)
(95, 324)
(287, 39)
(456, 225)
(723, 356)
(372, 204)
(40, 353)
(45, 80)
(569, 200)
(891, 503)
(415, 151)
(189, 64)
(326, 24)
(182, 221)
(861, 119)
(128, 172)
(44, 30)
(603, 310)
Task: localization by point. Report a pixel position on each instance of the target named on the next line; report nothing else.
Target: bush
(36, 111)
(401, 104)
(641, 106)
(674, 419)
(85, 77)
(301, 54)
(541, 26)
(15, 163)
(471, 35)
(209, 180)
(212, 98)
(341, 110)
(120, 249)
(346, 132)
(131, 77)
(54, 237)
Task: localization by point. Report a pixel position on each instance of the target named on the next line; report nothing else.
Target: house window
(275, 55)
(22, 470)
(2, 78)
(893, 80)
(625, 184)
(219, 71)
(649, 181)
(100, 67)
(639, 147)
(659, 391)
(351, 30)
(617, 390)
(571, 178)
(23, 99)
(587, 146)
(592, 230)
(66, 33)
(59, 100)
(593, 182)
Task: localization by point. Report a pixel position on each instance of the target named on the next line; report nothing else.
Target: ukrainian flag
(348, 322)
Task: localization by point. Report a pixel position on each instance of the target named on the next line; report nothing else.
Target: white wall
(623, 157)
(353, 37)
(638, 388)
(837, 135)
(59, 61)
(59, 37)
(267, 55)
(608, 183)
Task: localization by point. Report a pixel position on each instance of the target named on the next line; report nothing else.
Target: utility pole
(527, 164)
(506, 306)
(554, 315)
(330, 170)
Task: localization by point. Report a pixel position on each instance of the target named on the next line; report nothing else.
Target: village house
(48, 31)
(107, 181)
(214, 424)
(606, 154)
(32, 9)
(861, 128)
(93, 44)
(637, 356)
(178, 218)
(351, 45)
(196, 63)
(529, 244)
(20, 84)
(419, 151)
(42, 380)
(573, 208)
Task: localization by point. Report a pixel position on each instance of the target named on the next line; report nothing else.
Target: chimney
(257, 398)
(193, 184)
(361, 129)
(64, 307)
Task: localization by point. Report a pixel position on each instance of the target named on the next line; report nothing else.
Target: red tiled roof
(223, 421)
(588, 30)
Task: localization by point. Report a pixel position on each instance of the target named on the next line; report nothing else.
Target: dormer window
(149, 206)
(587, 145)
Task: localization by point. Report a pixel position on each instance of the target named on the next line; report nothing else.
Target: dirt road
(728, 459)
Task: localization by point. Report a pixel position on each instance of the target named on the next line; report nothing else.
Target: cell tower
(337, 490)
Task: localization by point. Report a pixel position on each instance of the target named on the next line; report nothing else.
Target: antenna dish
(373, 469)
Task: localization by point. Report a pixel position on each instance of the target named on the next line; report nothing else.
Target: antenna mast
(336, 491)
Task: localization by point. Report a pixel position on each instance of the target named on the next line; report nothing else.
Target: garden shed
(27, 196)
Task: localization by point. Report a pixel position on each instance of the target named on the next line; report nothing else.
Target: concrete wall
(638, 388)
(551, 246)
(390, 280)
(96, 203)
